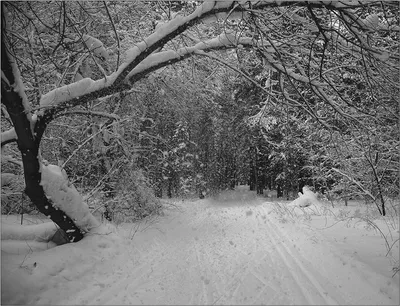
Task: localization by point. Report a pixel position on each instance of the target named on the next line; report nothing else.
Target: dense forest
(113, 105)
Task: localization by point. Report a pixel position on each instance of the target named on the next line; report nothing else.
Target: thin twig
(200, 52)
(116, 34)
(85, 142)
(392, 246)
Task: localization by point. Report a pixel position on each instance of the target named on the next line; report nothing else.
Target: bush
(13, 198)
(134, 199)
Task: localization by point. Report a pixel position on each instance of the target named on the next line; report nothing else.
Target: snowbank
(8, 135)
(24, 239)
(22, 247)
(37, 232)
(305, 199)
(27, 274)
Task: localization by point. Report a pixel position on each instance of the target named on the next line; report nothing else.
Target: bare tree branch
(89, 113)
(115, 32)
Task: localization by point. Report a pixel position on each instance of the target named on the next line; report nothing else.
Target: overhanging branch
(139, 58)
(245, 75)
(358, 184)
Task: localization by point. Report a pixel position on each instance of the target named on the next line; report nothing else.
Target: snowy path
(230, 251)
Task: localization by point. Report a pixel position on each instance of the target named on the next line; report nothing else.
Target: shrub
(134, 199)
(13, 198)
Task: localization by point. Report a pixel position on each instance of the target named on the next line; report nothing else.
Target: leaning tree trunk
(28, 145)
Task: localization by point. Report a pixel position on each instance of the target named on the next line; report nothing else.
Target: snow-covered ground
(232, 249)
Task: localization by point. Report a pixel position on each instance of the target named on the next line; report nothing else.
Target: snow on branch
(66, 92)
(135, 55)
(4, 78)
(14, 83)
(96, 46)
(19, 86)
(8, 136)
(87, 89)
(367, 24)
(161, 59)
(64, 196)
(165, 33)
(179, 24)
(140, 59)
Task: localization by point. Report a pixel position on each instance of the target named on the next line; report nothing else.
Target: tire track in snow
(298, 271)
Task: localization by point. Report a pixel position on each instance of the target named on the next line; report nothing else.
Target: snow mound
(38, 232)
(65, 197)
(39, 266)
(23, 239)
(23, 247)
(305, 199)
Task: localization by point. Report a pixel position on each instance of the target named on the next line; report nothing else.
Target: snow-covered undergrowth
(358, 225)
(133, 199)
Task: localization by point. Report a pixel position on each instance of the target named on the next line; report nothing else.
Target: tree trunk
(169, 191)
(279, 191)
(253, 170)
(28, 145)
(260, 189)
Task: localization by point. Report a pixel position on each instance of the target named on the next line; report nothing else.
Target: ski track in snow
(309, 286)
(225, 251)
